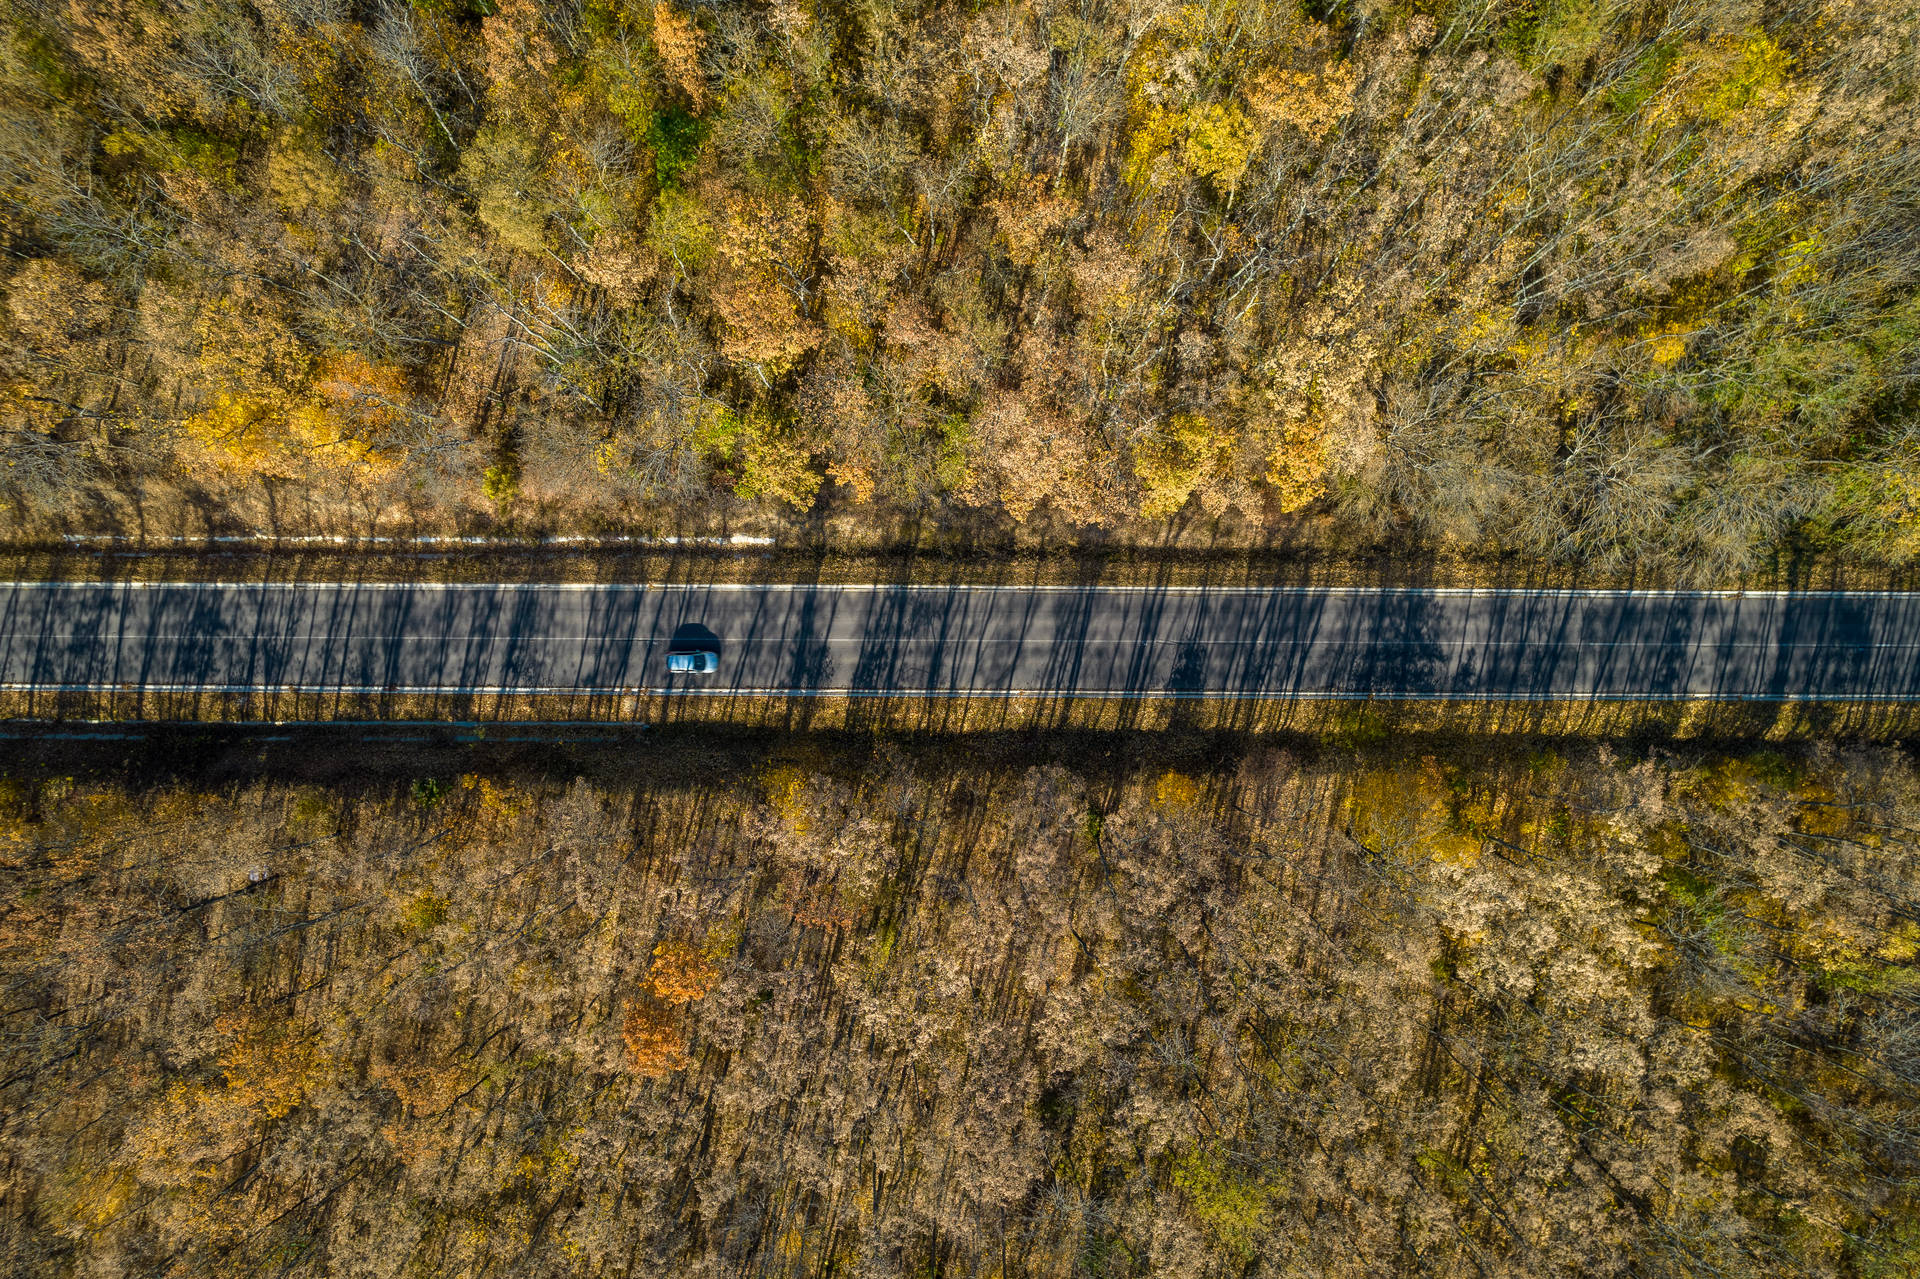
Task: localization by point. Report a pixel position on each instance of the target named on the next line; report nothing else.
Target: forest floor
(344, 756)
(284, 532)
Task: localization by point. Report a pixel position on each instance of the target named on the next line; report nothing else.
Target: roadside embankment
(695, 560)
(1354, 720)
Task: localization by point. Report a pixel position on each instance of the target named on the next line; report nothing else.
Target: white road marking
(1511, 592)
(988, 695)
(777, 641)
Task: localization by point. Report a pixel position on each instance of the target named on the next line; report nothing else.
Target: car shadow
(693, 637)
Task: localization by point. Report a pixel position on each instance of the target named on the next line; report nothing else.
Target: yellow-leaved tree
(1212, 140)
(766, 458)
(275, 410)
(1184, 454)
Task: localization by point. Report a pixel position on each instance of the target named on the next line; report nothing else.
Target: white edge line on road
(948, 694)
(430, 539)
(1272, 643)
(970, 588)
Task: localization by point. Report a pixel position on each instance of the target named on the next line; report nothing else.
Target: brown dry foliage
(678, 42)
(1613, 283)
(1194, 1007)
(655, 1045)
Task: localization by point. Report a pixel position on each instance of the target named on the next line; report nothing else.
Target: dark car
(693, 661)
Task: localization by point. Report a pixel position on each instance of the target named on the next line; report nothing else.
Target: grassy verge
(1136, 566)
(1348, 722)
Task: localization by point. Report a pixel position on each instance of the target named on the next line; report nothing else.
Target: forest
(1607, 281)
(870, 1009)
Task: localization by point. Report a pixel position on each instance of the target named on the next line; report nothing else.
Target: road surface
(957, 640)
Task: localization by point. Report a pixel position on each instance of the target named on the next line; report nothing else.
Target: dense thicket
(1373, 1016)
(1595, 278)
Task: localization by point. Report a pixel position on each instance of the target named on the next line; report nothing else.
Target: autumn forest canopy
(855, 1011)
(1619, 283)
(1614, 280)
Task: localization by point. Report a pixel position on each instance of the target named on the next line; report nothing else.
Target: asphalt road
(950, 640)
